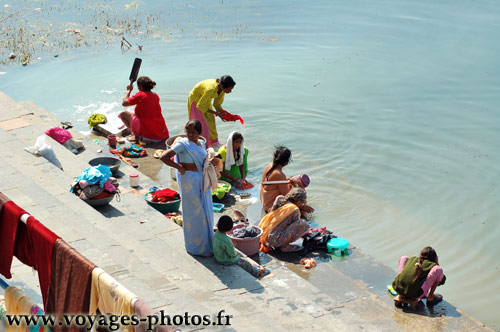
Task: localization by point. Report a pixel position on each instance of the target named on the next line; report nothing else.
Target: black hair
(226, 81)
(428, 253)
(238, 135)
(146, 83)
(196, 124)
(282, 156)
(225, 224)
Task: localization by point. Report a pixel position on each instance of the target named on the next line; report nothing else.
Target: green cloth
(403, 283)
(96, 119)
(235, 170)
(224, 251)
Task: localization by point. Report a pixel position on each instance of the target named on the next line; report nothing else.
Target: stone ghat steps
(85, 233)
(150, 260)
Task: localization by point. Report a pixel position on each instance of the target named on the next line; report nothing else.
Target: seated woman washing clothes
(235, 160)
(274, 172)
(147, 121)
(418, 278)
(196, 197)
(283, 225)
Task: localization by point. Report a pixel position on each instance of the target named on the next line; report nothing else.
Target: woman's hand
(181, 169)
(238, 183)
(295, 183)
(307, 209)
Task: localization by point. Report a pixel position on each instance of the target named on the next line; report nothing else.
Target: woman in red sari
(147, 121)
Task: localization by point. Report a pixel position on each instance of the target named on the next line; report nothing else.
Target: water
(391, 107)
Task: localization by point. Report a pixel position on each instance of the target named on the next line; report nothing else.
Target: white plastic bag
(44, 149)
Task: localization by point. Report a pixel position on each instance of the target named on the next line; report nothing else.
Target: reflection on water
(389, 107)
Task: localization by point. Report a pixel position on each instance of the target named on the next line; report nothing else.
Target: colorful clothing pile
(131, 151)
(94, 183)
(165, 195)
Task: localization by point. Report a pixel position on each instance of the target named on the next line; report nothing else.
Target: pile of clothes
(247, 231)
(131, 151)
(94, 183)
(163, 195)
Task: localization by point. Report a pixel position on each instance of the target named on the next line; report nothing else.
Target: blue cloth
(197, 214)
(184, 156)
(96, 174)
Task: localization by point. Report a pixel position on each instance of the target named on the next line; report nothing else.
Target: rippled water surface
(391, 107)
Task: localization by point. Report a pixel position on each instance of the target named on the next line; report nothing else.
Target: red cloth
(10, 214)
(226, 116)
(34, 243)
(165, 195)
(246, 185)
(148, 121)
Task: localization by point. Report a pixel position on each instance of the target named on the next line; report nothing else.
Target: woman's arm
(204, 103)
(165, 158)
(125, 102)
(218, 100)
(232, 178)
(242, 171)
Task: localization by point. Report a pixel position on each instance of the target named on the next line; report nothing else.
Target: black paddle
(135, 70)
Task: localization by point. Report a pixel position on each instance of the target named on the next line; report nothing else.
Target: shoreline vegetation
(29, 32)
(54, 30)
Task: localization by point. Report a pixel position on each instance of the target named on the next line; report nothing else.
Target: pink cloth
(60, 135)
(108, 186)
(197, 115)
(435, 276)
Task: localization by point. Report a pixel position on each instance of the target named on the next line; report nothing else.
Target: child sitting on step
(418, 278)
(226, 254)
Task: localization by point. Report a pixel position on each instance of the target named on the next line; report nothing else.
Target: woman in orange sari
(283, 225)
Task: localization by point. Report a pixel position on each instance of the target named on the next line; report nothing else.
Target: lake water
(391, 107)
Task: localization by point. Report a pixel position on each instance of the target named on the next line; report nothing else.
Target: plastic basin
(100, 201)
(112, 163)
(248, 245)
(172, 206)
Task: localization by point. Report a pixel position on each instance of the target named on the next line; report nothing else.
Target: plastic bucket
(248, 245)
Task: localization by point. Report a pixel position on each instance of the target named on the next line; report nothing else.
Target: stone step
(121, 269)
(54, 208)
(281, 297)
(189, 285)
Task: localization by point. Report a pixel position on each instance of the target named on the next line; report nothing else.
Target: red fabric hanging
(10, 214)
(34, 243)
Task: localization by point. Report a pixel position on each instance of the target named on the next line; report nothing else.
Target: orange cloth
(272, 219)
(308, 262)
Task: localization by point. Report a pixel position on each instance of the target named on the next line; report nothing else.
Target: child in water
(418, 278)
(226, 254)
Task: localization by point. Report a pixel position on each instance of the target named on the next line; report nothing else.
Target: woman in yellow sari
(200, 104)
(283, 225)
